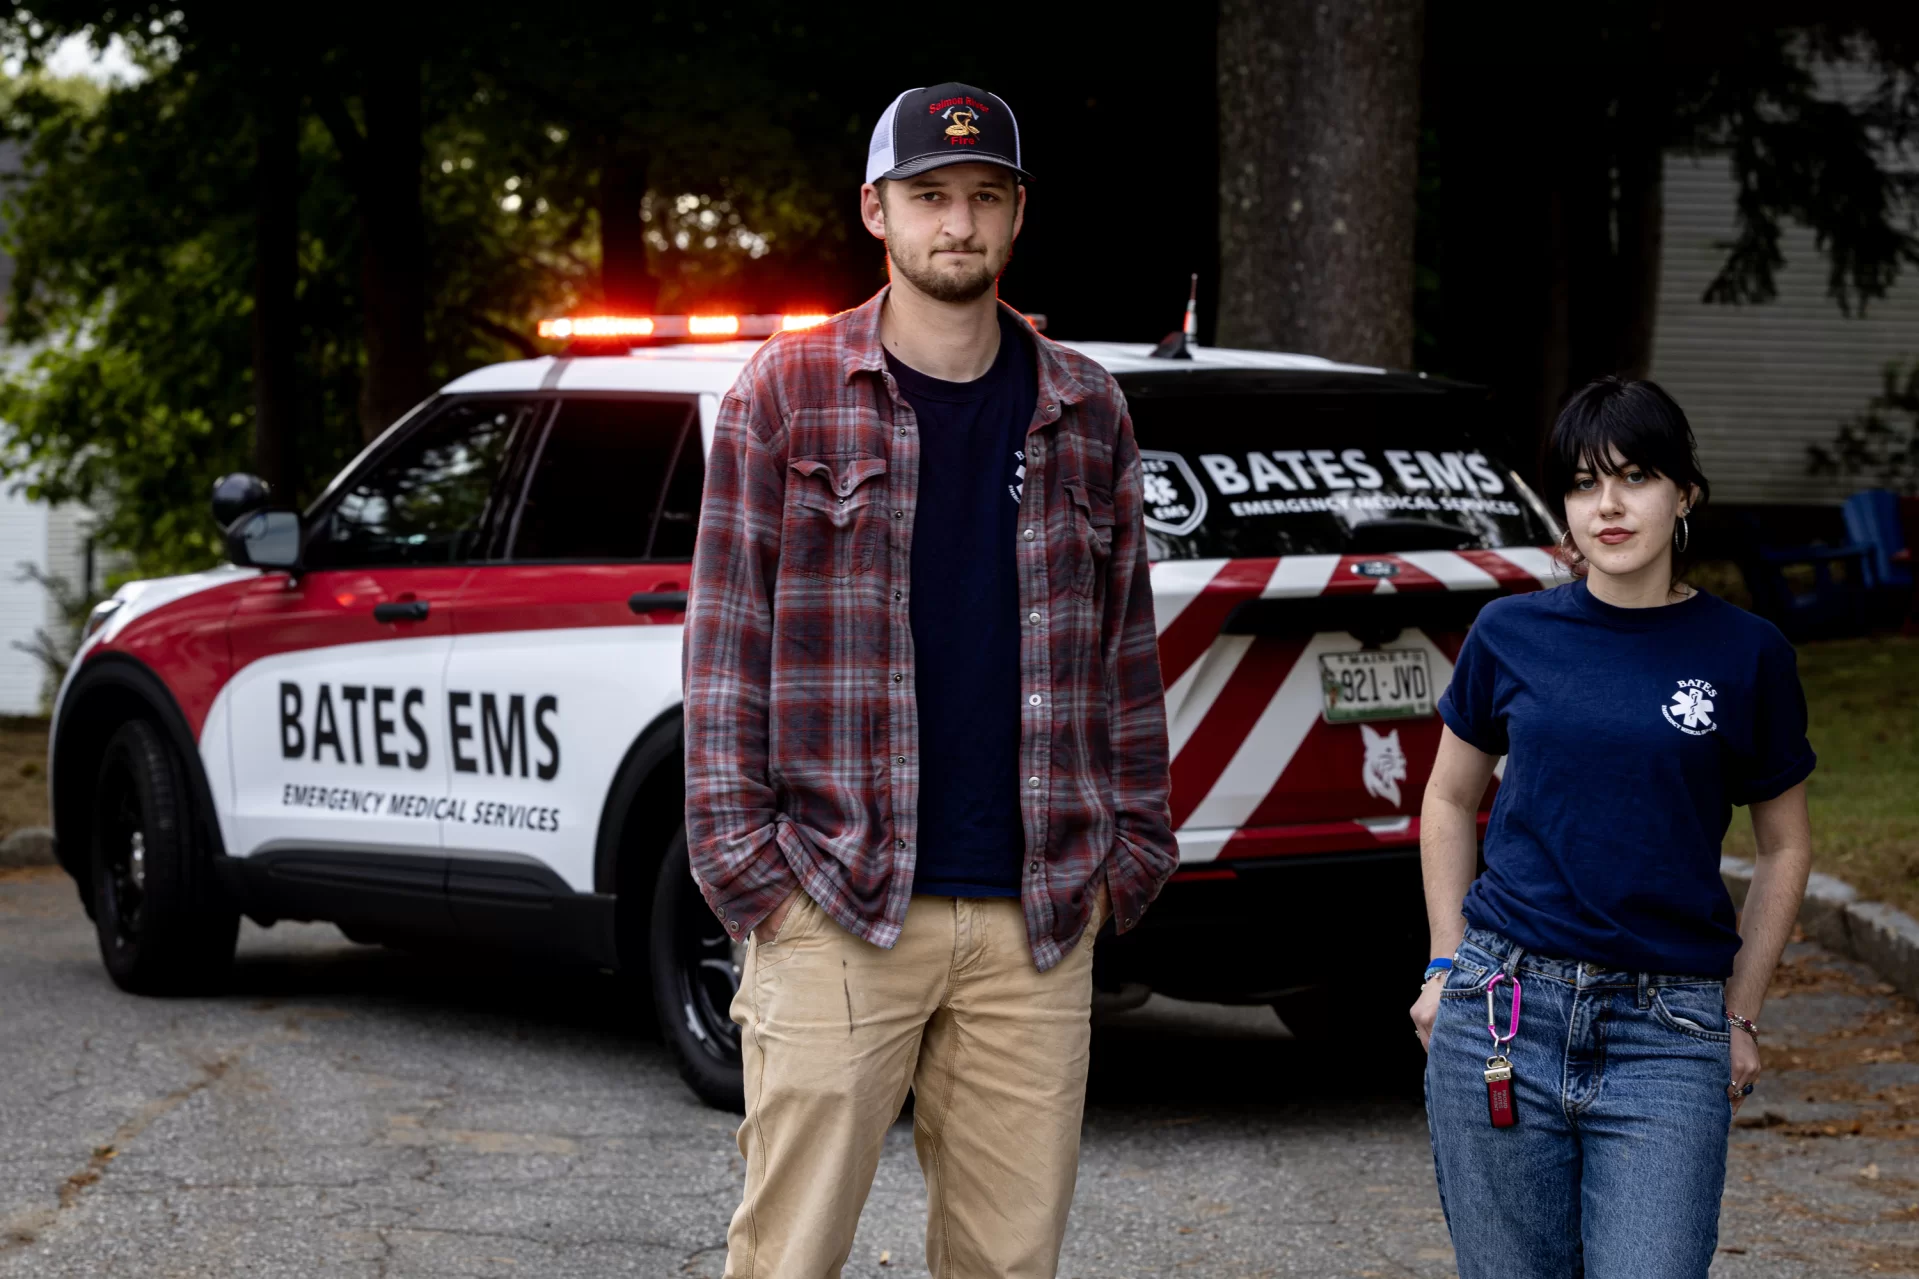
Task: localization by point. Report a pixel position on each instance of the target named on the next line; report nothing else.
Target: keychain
(1499, 1068)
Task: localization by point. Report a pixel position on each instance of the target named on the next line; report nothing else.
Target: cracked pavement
(351, 1111)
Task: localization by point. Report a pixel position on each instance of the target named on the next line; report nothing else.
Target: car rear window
(1276, 472)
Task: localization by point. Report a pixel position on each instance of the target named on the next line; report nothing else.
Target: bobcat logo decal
(1385, 766)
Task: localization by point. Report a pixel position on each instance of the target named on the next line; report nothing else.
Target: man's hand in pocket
(769, 928)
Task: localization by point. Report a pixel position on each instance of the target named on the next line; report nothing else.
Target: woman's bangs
(1632, 421)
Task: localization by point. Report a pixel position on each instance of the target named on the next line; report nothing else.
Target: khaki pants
(836, 1030)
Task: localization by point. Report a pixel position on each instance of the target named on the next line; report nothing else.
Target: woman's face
(1623, 523)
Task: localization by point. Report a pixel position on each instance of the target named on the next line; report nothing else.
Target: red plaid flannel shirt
(802, 734)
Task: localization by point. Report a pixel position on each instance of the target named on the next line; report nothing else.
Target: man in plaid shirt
(925, 732)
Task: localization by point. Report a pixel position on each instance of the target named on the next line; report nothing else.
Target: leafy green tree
(273, 243)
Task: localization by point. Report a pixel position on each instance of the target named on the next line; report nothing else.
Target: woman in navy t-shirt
(1633, 712)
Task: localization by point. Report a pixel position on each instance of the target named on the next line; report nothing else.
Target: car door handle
(657, 601)
(400, 611)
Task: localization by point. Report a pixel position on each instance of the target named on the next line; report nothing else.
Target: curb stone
(1877, 935)
(28, 846)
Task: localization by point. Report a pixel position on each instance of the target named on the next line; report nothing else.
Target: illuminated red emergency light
(598, 327)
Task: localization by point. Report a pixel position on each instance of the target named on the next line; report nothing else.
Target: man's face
(949, 232)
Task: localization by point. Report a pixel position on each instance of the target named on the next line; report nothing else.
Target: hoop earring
(1682, 536)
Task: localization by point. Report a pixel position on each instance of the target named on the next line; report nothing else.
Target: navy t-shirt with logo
(965, 617)
(1629, 734)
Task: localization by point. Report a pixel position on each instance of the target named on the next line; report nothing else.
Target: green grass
(1862, 699)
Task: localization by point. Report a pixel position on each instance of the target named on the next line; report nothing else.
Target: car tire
(164, 926)
(695, 969)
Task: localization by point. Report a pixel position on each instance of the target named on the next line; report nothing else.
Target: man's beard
(947, 286)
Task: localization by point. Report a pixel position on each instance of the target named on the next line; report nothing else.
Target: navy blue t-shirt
(1629, 734)
(965, 617)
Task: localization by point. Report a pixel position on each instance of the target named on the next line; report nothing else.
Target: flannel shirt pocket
(1092, 540)
(835, 516)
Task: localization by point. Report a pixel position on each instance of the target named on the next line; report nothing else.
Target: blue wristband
(1441, 965)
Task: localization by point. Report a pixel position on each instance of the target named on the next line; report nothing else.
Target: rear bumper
(1248, 929)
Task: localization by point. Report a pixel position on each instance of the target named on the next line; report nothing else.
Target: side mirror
(236, 495)
(266, 539)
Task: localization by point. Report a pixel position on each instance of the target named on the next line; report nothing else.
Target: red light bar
(598, 326)
(614, 327)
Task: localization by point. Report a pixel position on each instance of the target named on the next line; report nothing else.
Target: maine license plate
(1389, 683)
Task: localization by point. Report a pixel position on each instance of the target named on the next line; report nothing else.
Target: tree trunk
(1318, 137)
(1641, 129)
(626, 285)
(276, 249)
(393, 257)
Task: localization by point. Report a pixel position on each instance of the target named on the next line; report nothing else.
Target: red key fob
(1499, 1092)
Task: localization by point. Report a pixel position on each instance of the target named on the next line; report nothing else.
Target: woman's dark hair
(1638, 419)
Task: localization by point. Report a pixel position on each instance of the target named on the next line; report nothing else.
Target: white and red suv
(442, 705)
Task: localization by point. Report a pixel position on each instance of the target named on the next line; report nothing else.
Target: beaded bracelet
(1746, 1024)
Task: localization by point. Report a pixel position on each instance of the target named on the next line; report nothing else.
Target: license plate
(1388, 683)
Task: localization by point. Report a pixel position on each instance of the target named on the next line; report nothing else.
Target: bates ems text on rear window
(1253, 476)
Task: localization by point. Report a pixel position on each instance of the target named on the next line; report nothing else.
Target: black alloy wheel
(696, 972)
(163, 925)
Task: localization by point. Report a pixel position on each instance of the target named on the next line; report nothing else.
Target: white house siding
(23, 603)
(67, 531)
(1761, 383)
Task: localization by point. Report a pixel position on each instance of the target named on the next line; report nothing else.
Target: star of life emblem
(1175, 503)
(1690, 710)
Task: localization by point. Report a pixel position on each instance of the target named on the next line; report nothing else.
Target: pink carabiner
(1492, 1027)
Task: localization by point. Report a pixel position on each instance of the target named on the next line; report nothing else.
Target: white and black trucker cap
(946, 124)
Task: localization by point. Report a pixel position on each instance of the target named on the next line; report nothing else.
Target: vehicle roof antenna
(1178, 345)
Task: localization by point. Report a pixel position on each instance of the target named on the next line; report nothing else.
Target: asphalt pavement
(352, 1111)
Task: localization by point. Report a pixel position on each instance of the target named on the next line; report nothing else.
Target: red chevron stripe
(1197, 626)
(1513, 580)
(1229, 721)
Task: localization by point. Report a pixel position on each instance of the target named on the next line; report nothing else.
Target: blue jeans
(1615, 1167)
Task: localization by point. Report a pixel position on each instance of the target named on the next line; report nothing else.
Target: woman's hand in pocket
(1425, 1011)
(1745, 1067)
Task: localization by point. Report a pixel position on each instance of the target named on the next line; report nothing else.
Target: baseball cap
(947, 124)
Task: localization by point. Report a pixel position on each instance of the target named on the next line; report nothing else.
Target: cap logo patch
(959, 114)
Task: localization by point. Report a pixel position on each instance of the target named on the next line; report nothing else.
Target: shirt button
(899, 595)
(1033, 618)
(1032, 783)
(1034, 868)
(899, 843)
(1049, 408)
(899, 759)
(1029, 535)
(1033, 449)
(732, 927)
(1033, 700)
(899, 515)
(897, 677)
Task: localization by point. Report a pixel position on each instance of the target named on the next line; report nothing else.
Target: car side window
(610, 483)
(428, 501)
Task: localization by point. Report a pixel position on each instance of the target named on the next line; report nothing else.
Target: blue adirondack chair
(1872, 520)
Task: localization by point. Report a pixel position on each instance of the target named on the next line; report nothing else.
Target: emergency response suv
(442, 704)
